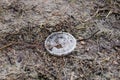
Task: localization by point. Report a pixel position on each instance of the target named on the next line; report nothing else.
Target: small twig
(92, 16)
(10, 44)
(89, 36)
(72, 75)
(5, 46)
(110, 12)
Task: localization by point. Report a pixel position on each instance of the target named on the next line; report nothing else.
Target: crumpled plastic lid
(60, 43)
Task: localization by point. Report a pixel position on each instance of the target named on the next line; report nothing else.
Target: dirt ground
(25, 24)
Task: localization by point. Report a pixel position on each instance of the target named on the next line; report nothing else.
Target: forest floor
(25, 24)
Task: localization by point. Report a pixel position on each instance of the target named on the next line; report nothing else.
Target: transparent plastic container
(60, 43)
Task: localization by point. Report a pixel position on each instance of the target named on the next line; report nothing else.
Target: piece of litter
(60, 43)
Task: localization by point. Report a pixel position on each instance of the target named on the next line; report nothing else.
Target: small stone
(82, 42)
(80, 38)
(115, 62)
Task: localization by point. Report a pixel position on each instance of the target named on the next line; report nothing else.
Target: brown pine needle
(7, 45)
(110, 12)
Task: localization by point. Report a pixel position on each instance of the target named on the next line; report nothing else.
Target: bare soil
(25, 24)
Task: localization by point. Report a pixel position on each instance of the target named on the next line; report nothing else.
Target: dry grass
(96, 57)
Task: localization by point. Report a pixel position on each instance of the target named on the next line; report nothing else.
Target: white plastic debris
(60, 43)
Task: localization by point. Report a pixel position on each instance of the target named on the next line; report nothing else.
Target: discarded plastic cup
(60, 43)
